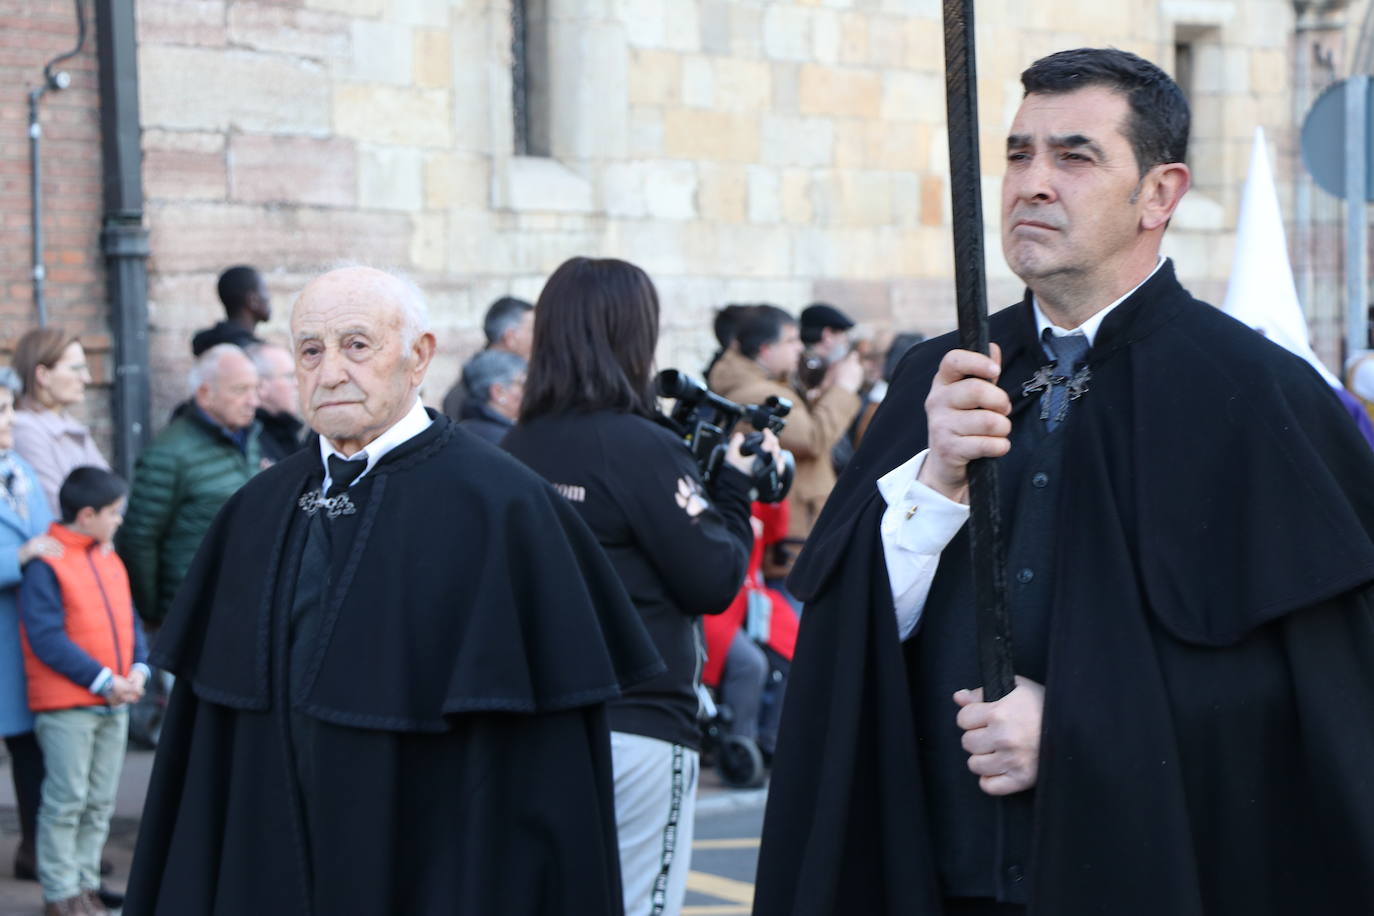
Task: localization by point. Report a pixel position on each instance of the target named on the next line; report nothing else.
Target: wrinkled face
(520, 339)
(231, 397)
(102, 525)
(357, 373)
(63, 384)
(1069, 198)
(277, 388)
(780, 357)
(6, 418)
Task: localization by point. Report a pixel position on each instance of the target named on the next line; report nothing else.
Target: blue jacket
(15, 718)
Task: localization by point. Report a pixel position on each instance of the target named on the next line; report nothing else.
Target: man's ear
(84, 516)
(423, 352)
(1160, 192)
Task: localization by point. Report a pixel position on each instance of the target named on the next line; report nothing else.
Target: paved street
(721, 882)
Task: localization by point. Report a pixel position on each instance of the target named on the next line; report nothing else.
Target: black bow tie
(342, 473)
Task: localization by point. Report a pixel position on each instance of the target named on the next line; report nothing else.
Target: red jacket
(720, 629)
(97, 618)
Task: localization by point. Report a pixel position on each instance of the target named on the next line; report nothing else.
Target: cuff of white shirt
(940, 517)
(102, 682)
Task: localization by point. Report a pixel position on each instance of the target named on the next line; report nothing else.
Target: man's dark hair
(487, 368)
(726, 322)
(595, 329)
(504, 314)
(759, 325)
(89, 487)
(1158, 126)
(235, 286)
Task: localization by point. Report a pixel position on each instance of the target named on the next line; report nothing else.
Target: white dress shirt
(400, 432)
(919, 522)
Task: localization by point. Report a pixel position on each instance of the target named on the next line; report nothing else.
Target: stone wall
(737, 150)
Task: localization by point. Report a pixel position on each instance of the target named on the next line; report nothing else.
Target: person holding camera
(590, 425)
(759, 364)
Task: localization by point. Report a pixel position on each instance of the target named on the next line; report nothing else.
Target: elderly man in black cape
(1189, 516)
(392, 654)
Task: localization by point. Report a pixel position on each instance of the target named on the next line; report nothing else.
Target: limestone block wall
(738, 150)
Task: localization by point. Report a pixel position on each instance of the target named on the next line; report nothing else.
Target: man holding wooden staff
(1189, 547)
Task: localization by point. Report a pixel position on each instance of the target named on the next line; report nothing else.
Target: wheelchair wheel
(740, 762)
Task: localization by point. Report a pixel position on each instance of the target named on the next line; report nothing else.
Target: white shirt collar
(1088, 328)
(400, 432)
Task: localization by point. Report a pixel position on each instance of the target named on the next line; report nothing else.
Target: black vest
(982, 843)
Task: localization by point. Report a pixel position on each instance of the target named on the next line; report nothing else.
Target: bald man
(392, 654)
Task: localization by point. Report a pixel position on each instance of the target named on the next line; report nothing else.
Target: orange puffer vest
(98, 617)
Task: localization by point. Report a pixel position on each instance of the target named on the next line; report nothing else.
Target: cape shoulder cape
(1220, 499)
(470, 586)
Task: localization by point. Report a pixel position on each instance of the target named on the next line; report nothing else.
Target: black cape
(1209, 711)
(473, 634)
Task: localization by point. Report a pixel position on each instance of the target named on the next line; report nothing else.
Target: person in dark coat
(1188, 531)
(246, 305)
(278, 401)
(590, 424)
(509, 327)
(393, 654)
(495, 384)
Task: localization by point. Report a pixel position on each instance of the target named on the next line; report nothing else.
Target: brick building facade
(33, 32)
(738, 150)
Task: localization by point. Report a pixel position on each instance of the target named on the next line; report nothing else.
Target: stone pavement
(23, 898)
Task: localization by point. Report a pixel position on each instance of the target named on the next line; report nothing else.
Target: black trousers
(981, 906)
(26, 766)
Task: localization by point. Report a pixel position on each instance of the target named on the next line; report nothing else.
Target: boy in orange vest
(84, 657)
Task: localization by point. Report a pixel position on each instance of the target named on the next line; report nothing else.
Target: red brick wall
(32, 32)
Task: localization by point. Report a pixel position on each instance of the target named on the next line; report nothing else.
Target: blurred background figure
(187, 473)
(590, 425)
(24, 518)
(825, 332)
(495, 384)
(508, 326)
(52, 369)
(762, 363)
(246, 305)
(279, 400)
(886, 361)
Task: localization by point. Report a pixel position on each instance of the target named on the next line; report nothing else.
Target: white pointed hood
(1261, 292)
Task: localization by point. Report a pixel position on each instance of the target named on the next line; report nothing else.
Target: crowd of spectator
(241, 415)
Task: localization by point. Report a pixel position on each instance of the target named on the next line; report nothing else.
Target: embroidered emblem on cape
(1045, 378)
(333, 506)
(690, 497)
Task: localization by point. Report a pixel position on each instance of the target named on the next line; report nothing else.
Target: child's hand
(137, 686)
(121, 692)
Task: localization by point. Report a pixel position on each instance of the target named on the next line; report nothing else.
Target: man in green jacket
(209, 450)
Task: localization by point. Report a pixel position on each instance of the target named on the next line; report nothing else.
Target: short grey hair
(207, 365)
(11, 380)
(414, 308)
(258, 351)
(490, 367)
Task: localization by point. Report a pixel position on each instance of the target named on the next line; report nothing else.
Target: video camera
(705, 419)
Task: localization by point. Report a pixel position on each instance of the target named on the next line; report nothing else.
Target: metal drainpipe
(54, 80)
(123, 239)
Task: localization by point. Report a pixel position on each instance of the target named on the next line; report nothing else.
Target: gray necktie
(1070, 354)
